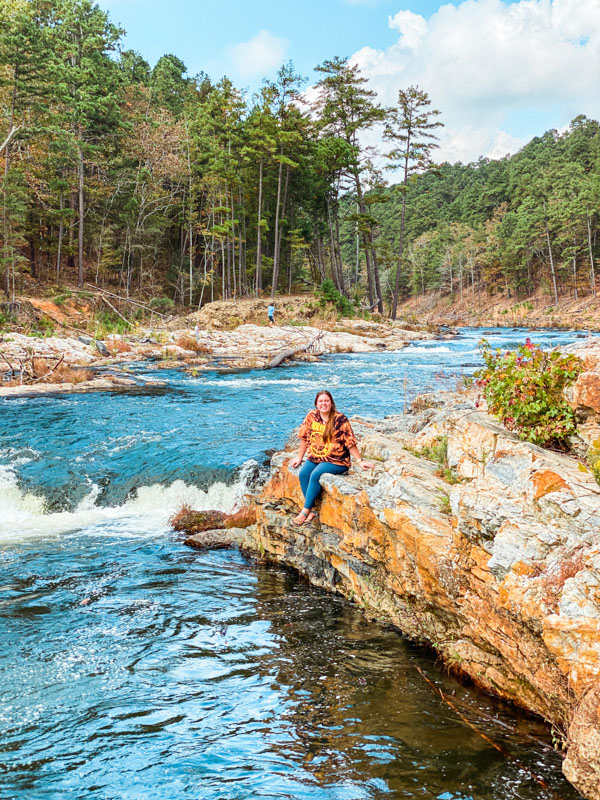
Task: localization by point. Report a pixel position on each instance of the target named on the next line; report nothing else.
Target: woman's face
(323, 405)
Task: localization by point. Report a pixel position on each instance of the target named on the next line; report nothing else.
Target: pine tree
(346, 109)
(410, 127)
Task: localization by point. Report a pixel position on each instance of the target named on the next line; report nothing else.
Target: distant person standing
(271, 313)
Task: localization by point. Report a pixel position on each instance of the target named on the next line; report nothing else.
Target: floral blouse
(337, 451)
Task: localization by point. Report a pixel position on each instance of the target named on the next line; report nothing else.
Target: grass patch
(437, 452)
(190, 343)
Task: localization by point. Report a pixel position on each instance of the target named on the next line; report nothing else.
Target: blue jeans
(309, 479)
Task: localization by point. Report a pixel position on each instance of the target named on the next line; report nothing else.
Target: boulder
(498, 570)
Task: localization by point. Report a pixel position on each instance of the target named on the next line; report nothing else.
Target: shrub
(106, 322)
(42, 328)
(524, 390)
(161, 303)
(329, 294)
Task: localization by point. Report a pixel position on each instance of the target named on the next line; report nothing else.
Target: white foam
(424, 347)
(24, 515)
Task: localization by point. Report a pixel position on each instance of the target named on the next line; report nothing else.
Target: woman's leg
(305, 473)
(314, 487)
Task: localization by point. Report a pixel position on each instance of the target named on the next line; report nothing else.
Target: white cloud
(258, 56)
(494, 69)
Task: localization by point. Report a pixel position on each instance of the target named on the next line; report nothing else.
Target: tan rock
(500, 573)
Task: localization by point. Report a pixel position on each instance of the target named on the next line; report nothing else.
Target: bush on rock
(524, 389)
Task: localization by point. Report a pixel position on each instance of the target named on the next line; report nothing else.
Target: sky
(500, 72)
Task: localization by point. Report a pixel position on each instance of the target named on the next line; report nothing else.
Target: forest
(182, 190)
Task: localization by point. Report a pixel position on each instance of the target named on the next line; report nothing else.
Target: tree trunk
(80, 271)
(376, 274)
(242, 238)
(276, 248)
(332, 252)
(338, 251)
(361, 206)
(258, 276)
(592, 270)
(575, 293)
(552, 269)
(320, 262)
(60, 238)
(402, 227)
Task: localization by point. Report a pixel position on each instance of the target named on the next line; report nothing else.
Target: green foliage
(42, 328)
(524, 389)
(106, 323)
(593, 459)
(443, 501)
(162, 303)
(328, 294)
(437, 451)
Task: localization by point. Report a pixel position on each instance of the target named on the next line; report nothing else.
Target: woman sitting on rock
(330, 441)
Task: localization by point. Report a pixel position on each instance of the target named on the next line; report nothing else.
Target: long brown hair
(328, 432)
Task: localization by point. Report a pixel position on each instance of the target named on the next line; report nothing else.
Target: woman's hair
(328, 432)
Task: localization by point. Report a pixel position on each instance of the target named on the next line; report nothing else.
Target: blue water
(131, 667)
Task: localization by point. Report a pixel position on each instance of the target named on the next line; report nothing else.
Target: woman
(330, 441)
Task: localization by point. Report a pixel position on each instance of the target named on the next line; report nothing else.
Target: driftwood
(276, 360)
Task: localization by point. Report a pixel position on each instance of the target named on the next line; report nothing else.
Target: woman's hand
(296, 461)
(365, 464)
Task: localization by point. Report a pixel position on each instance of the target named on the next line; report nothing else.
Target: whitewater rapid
(24, 514)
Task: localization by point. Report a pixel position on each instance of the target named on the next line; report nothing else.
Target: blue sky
(202, 33)
(499, 71)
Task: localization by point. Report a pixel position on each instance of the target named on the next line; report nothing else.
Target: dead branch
(11, 133)
(54, 368)
(118, 313)
(4, 358)
(540, 781)
(276, 360)
(370, 308)
(118, 297)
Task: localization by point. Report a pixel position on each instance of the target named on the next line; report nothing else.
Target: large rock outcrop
(498, 569)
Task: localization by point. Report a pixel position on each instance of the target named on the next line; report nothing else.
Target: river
(132, 667)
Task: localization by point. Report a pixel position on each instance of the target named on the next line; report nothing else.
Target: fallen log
(276, 360)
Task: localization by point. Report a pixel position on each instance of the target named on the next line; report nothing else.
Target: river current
(132, 667)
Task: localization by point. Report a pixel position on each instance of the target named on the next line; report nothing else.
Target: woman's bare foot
(301, 518)
(311, 516)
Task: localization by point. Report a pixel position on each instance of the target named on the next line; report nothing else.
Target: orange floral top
(337, 451)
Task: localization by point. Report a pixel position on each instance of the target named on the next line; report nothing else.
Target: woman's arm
(301, 450)
(356, 456)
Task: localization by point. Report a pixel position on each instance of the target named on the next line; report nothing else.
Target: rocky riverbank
(482, 309)
(249, 346)
(492, 557)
